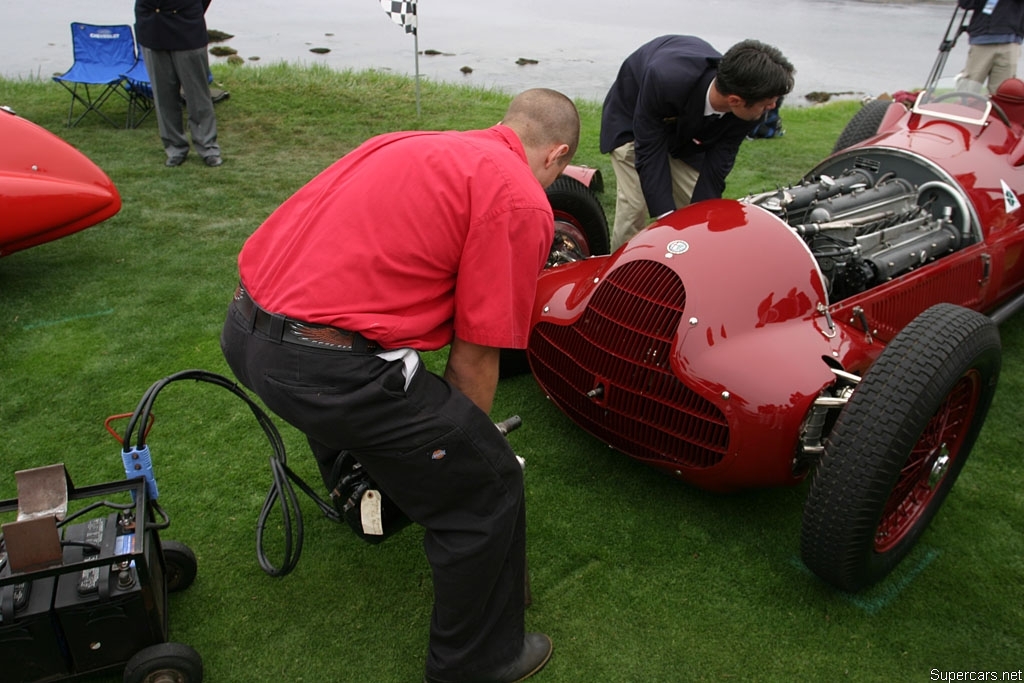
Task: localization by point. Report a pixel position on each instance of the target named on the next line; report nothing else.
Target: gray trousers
(177, 72)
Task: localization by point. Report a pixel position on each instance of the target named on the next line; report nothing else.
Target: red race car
(844, 327)
(48, 189)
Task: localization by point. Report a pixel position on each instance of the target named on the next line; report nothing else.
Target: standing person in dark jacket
(996, 29)
(173, 37)
(674, 119)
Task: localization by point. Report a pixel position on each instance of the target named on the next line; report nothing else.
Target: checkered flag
(402, 12)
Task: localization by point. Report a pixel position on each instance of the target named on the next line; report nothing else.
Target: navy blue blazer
(171, 24)
(657, 101)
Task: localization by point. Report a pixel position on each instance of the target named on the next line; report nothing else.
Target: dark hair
(755, 72)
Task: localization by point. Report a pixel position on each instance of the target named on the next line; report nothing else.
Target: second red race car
(48, 189)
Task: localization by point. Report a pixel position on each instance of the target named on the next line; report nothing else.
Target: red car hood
(735, 319)
(48, 189)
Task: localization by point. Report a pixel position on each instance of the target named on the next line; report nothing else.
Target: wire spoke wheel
(899, 445)
(929, 462)
(570, 243)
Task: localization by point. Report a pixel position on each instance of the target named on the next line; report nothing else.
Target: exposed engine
(866, 227)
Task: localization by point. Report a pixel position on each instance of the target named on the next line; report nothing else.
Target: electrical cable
(281, 493)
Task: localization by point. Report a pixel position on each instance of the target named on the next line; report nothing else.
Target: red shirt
(410, 239)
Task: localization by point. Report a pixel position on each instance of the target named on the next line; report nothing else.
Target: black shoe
(213, 161)
(535, 654)
(175, 161)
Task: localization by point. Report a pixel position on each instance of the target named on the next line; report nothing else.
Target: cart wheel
(165, 663)
(180, 564)
(899, 445)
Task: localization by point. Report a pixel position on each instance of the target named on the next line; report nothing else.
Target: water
(838, 46)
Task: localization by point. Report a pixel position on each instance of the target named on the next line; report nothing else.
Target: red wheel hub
(930, 459)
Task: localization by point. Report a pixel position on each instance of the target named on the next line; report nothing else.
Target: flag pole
(405, 13)
(416, 54)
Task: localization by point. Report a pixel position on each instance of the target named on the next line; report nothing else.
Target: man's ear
(735, 101)
(555, 154)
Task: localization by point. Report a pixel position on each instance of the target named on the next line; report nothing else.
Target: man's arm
(650, 137)
(473, 369)
(718, 162)
(670, 102)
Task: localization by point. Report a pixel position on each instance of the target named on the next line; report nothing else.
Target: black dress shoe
(535, 654)
(175, 161)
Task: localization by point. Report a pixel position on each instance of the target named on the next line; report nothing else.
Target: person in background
(674, 119)
(173, 37)
(338, 298)
(995, 29)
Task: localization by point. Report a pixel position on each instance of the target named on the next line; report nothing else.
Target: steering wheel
(963, 95)
(966, 96)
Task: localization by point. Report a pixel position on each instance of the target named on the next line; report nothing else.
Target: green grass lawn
(635, 576)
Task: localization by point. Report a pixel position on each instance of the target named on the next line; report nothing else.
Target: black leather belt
(290, 331)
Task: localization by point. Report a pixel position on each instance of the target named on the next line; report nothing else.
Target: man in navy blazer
(674, 119)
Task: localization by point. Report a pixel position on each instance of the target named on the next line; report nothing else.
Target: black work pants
(436, 455)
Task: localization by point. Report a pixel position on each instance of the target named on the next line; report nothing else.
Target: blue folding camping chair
(102, 55)
(140, 93)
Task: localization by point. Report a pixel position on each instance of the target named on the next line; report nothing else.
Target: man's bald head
(548, 125)
(543, 117)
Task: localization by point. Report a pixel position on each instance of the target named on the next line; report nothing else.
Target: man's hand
(473, 369)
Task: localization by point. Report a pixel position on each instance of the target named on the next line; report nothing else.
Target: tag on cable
(370, 514)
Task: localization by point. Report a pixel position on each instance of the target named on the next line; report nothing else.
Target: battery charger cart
(84, 580)
(85, 591)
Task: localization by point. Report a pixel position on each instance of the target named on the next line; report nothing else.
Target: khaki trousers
(631, 214)
(995, 63)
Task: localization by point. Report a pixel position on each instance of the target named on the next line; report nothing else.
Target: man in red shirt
(415, 241)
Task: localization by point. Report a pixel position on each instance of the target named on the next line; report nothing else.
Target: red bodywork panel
(701, 345)
(705, 318)
(48, 189)
(590, 177)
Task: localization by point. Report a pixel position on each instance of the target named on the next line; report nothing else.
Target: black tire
(180, 566)
(164, 663)
(898, 446)
(579, 216)
(581, 231)
(863, 125)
